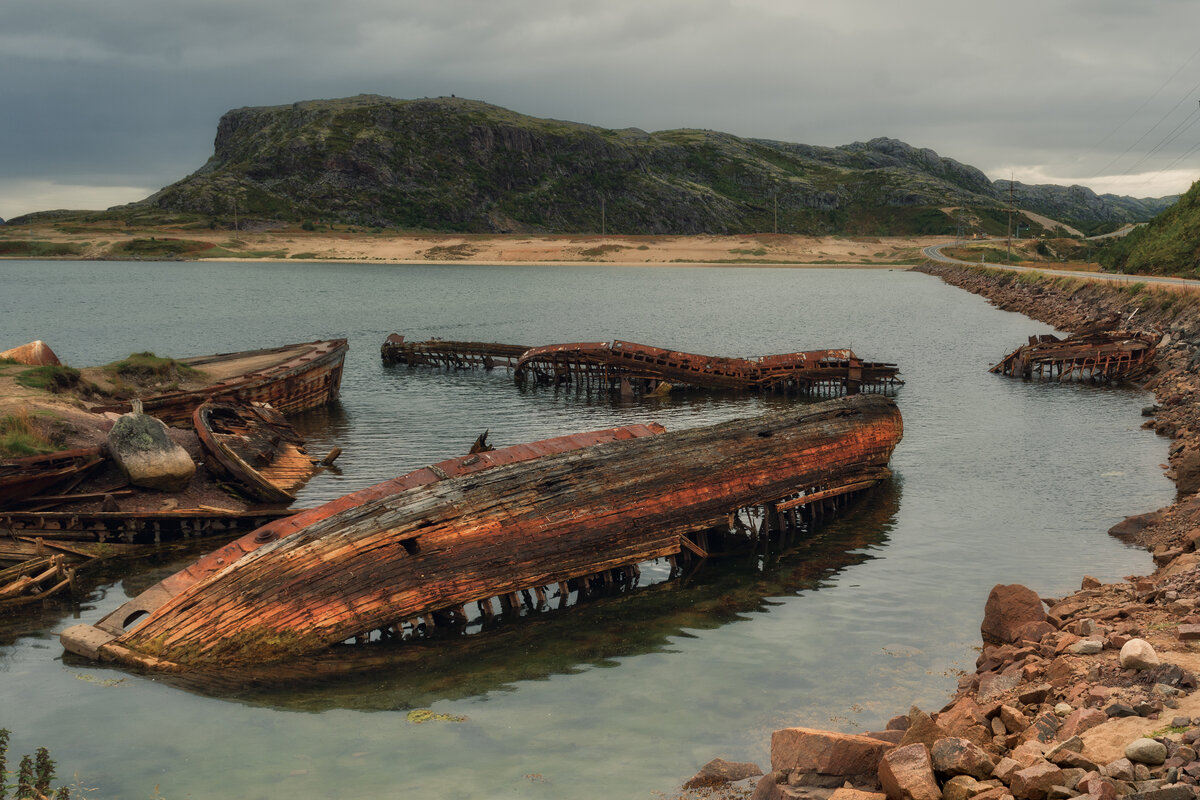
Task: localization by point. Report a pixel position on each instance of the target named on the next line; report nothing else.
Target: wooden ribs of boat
(291, 378)
(22, 478)
(1091, 356)
(254, 446)
(441, 353)
(465, 538)
(631, 367)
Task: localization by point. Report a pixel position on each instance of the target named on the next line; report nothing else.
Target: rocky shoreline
(1091, 695)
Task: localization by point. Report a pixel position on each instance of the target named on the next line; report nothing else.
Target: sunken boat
(449, 354)
(291, 378)
(631, 368)
(22, 479)
(253, 446)
(1091, 355)
(378, 561)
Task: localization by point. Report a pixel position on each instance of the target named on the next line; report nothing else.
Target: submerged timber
(291, 378)
(443, 353)
(470, 538)
(1092, 355)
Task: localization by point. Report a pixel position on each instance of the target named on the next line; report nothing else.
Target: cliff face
(455, 164)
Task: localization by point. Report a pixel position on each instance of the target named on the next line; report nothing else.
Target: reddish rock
(922, 729)
(1034, 695)
(1005, 768)
(1032, 783)
(1081, 720)
(967, 720)
(1014, 720)
(899, 723)
(906, 773)
(1189, 632)
(719, 772)
(825, 752)
(1008, 608)
(1089, 583)
(1130, 527)
(36, 354)
(844, 793)
(957, 756)
(891, 737)
(1034, 631)
(993, 685)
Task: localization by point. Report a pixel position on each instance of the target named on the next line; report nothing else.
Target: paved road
(934, 253)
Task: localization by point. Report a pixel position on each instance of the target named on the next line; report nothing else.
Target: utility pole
(776, 196)
(602, 220)
(1012, 208)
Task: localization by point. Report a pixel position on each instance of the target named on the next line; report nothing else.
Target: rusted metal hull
(254, 446)
(632, 367)
(490, 534)
(22, 478)
(304, 376)
(440, 353)
(1097, 357)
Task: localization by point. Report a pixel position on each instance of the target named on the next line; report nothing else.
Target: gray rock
(146, 454)
(1086, 647)
(1146, 751)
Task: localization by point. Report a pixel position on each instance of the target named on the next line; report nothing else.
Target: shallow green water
(995, 481)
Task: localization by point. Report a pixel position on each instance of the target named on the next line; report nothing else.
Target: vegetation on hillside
(1168, 245)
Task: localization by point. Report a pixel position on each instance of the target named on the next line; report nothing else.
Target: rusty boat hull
(24, 478)
(255, 447)
(291, 378)
(471, 537)
(1094, 356)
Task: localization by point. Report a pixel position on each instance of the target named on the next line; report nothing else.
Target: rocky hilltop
(462, 165)
(1080, 204)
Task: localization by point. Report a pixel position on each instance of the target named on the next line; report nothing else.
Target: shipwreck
(1092, 355)
(633, 368)
(492, 526)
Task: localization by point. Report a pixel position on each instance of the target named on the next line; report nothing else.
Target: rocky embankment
(1090, 695)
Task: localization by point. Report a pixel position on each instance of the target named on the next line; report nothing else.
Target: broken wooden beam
(451, 354)
(1095, 356)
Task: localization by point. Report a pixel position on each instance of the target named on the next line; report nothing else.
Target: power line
(1190, 93)
(1169, 138)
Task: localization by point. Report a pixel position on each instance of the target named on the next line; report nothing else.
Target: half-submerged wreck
(292, 378)
(1097, 356)
(627, 366)
(411, 549)
(442, 353)
(254, 447)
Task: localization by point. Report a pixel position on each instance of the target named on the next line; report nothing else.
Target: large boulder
(1010, 607)
(906, 773)
(826, 752)
(956, 756)
(1138, 654)
(146, 454)
(37, 354)
(719, 772)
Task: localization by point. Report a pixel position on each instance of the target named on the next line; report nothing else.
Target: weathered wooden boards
(636, 367)
(1095, 356)
(291, 378)
(494, 533)
(440, 353)
(253, 445)
(22, 478)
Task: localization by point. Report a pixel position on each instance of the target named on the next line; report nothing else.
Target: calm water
(995, 481)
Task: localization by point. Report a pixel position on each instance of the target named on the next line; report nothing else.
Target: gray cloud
(126, 93)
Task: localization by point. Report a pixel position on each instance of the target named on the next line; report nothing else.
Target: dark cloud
(127, 93)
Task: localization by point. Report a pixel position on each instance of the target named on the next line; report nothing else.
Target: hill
(452, 164)
(1168, 245)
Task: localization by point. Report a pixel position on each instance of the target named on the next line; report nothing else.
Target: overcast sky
(106, 101)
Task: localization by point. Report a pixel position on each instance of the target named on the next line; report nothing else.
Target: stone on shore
(906, 773)
(719, 772)
(1009, 608)
(846, 793)
(1146, 751)
(1138, 654)
(826, 752)
(922, 728)
(1033, 783)
(955, 756)
(146, 454)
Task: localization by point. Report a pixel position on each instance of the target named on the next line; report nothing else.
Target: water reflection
(716, 592)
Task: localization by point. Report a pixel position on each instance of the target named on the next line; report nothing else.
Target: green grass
(156, 249)
(21, 436)
(50, 379)
(36, 248)
(305, 256)
(146, 367)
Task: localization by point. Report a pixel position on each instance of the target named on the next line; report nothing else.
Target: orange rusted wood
(442, 353)
(496, 533)
(254, 446)
(1092, 355)
(612, 363)
(22, 478)
(305, 376)
(36, 353)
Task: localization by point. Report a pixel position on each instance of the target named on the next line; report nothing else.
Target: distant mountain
(463, 165)
(1080, 206)
(1168, 245)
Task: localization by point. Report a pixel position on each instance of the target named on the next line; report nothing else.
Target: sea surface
(996, 481)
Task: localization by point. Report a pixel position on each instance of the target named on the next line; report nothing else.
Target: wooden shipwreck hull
(254, 446)
(291, 378)
(1095, 356)
(524, 525)
(23, 478)
(638, 367)
(442, 353)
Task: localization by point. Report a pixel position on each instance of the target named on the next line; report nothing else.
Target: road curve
(934, 253)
